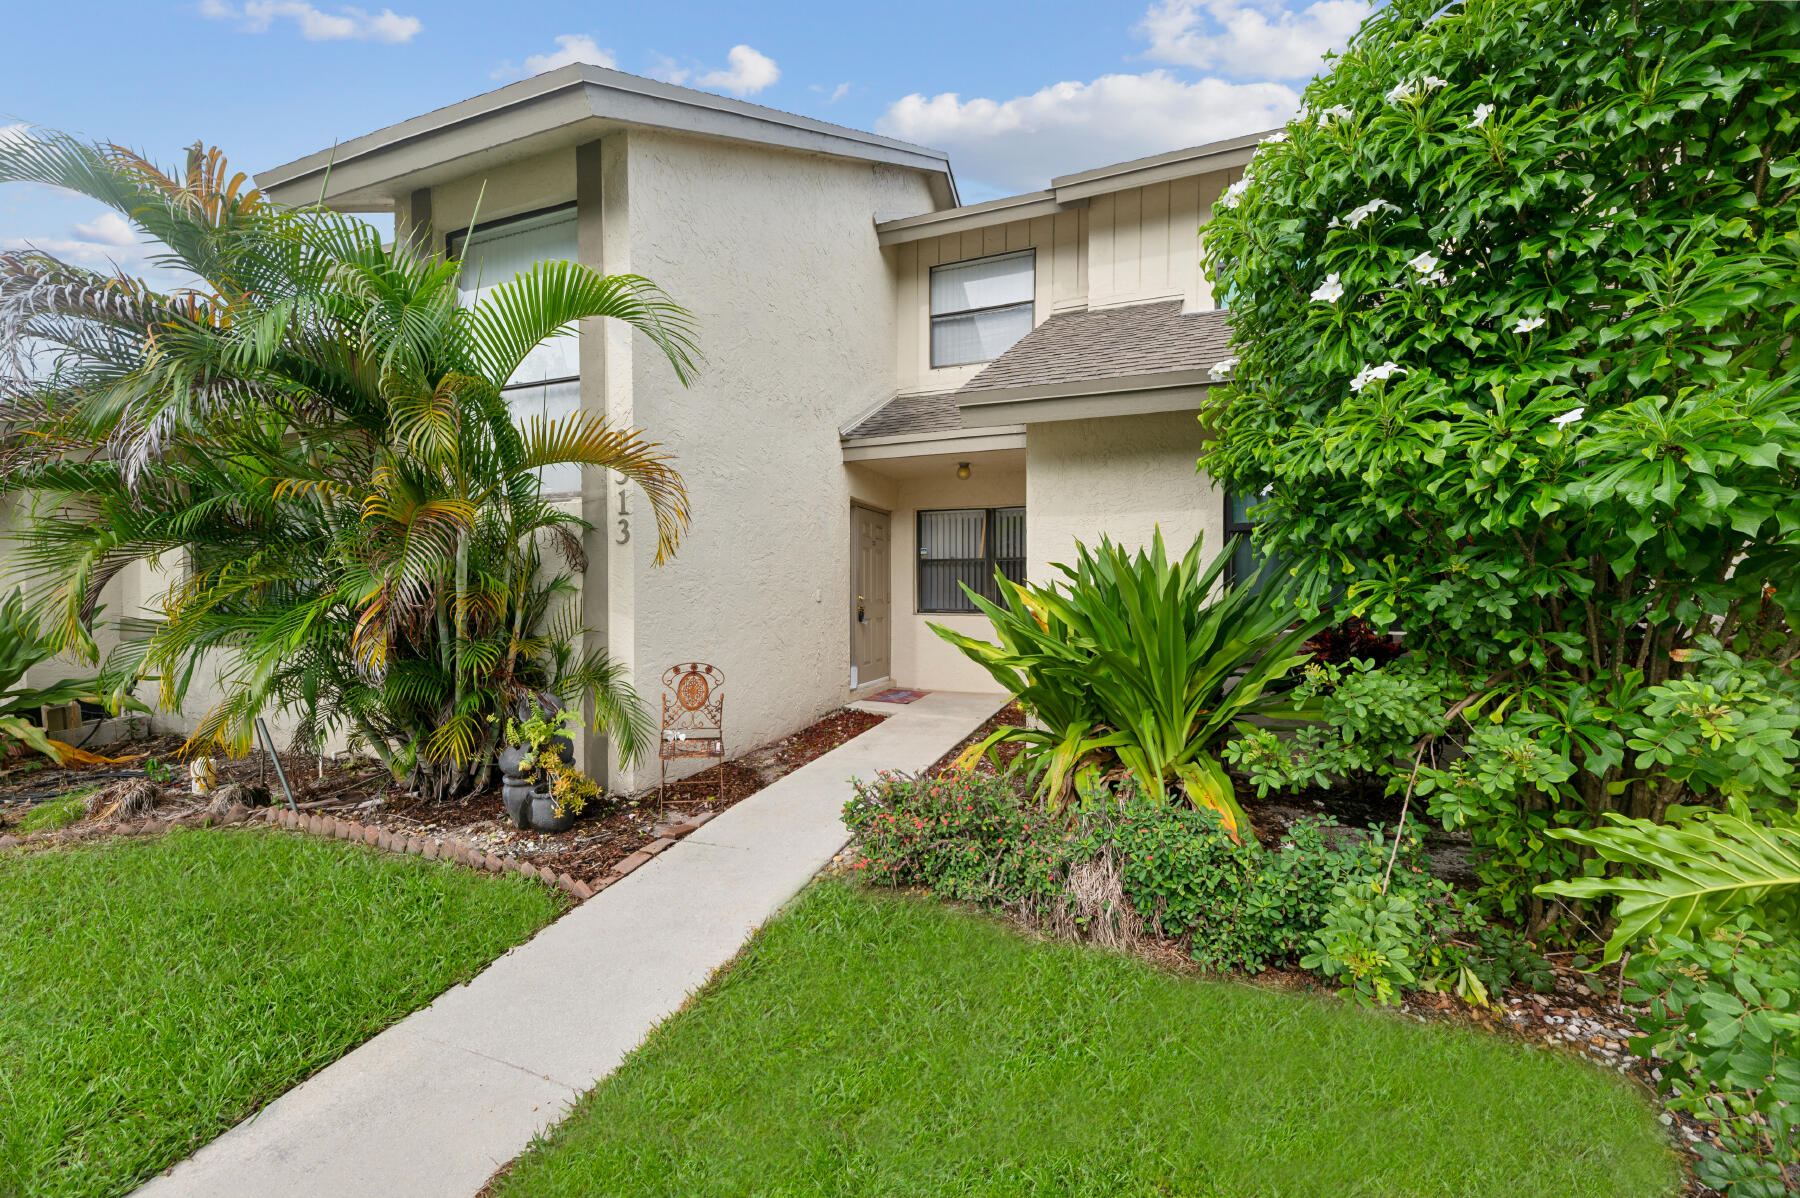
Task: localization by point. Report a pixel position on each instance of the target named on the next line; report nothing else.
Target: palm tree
(314, 430)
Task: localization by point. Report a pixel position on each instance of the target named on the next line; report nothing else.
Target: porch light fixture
(962, 470)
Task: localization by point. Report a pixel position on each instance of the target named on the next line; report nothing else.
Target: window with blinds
(547, 384)
(964, 547)
(980, 308)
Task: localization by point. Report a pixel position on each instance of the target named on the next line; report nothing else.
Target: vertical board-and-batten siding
(1144, 242)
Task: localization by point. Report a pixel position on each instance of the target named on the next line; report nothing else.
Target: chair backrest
(693, 702)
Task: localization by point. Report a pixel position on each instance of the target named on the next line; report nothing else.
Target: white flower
(1424, 262)
(1275, 138)
(1370, 374)
(1482, 113)
(1222, 369)
(1438, 277)
(1569, 417)
(1528, 323)
(1432, 83)
(1234, 193)
(1330, 291)
(1341, 111)
(1357, 215)
(1401, 91)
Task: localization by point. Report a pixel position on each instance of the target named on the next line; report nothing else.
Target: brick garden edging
(456, 851)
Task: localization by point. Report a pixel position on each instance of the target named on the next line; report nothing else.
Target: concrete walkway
(432, 1106)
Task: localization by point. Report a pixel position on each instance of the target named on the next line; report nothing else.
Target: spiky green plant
(314, 432)
(1135, 666)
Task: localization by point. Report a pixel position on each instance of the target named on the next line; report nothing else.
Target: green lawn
(52, 814)
(154, 992)
(868, 1046)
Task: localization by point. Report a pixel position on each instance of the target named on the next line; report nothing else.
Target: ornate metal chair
(693, 719)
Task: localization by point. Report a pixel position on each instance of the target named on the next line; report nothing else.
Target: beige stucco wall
(1123, 476)
(775, 254)
(526, 185)
(921, 658)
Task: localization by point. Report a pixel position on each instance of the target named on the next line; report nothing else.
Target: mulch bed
(362, 792)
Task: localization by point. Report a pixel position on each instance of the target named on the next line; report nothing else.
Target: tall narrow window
(547, 384)
(962, 546)
(980, 308)
(1248, 563)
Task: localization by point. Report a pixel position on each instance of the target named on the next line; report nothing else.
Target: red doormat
(898, 696)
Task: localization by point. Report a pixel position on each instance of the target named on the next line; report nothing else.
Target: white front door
(871, 615)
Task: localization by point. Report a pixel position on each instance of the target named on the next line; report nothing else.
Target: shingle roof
(1070, 347)
(910, 414)
(1093, 345)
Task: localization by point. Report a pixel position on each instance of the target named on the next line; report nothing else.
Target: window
(1247, 561)
(980, 308)
(547, 383)
(966, 545)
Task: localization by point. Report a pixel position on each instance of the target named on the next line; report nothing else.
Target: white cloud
(1249, 38)
(1018, 144)
(838, 93)
(570, 47)
(750, 71)
(667, 69)
(109, 228)
(352, 24)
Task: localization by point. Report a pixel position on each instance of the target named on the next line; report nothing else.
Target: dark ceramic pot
(517, 789)
(543, 814)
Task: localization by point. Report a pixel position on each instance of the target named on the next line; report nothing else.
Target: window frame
(459, 238)
(1245, 528)
(932, 317)
(989, 560)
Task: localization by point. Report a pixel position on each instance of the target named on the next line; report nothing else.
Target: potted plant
(530, 743)
(561, 795)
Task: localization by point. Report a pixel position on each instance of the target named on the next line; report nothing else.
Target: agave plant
(1133, 666)
(315, 431)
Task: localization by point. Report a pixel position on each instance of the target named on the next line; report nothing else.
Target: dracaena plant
(1513, 307)
(1135, 666)
(312, 430)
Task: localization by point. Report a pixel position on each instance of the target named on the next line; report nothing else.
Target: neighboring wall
(775, 254)
(1121, 475)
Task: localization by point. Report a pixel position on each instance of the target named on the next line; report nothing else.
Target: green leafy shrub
(21, 648)
(1135, 667)
(1513, 307)
(1724, 1021)
(1184, 876)
(1371, 939)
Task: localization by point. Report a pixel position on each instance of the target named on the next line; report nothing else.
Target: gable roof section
(1076, 365)
(564, 107)
(1099, 346)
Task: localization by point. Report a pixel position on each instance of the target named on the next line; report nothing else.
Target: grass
(871, 1046)
(154, 992)
(55, 813)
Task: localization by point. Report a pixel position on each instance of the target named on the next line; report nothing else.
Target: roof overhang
(1085, 399)
(1074, 191)
(956, 440)
(564, 107)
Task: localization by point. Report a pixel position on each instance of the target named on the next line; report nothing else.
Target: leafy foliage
(1233, 904)
(1136, 667)
(1691, 874)
(21, 648)
(315, 431)
(1514, 303)
(1724, 1018)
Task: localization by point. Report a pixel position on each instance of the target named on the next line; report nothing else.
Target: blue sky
(1016, 92)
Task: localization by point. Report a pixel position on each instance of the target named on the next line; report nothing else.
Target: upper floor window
(547, 384)
(980, 308)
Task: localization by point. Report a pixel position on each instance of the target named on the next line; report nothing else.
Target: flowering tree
(1515, 304)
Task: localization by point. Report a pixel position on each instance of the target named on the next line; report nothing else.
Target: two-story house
(901, 393)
